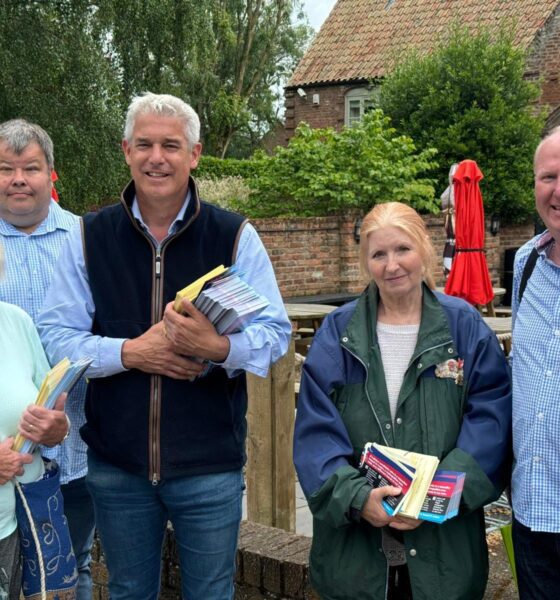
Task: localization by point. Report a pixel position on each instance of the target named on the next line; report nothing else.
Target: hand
(153, 353)
(11, 463)
(373, 511)
(403, 523)
(45, 426)
(192, 334)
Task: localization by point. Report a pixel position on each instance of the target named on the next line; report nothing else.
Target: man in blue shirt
(536, 391)
(166, 442)
(33, 229)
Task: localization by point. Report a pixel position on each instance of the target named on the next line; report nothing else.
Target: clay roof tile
(359, 35)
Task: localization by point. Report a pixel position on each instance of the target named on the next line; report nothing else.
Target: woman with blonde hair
(410, 368)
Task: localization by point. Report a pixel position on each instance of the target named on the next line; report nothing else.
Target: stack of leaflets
(227, 301)
(193, 289)
(61, 378)
(426, 493)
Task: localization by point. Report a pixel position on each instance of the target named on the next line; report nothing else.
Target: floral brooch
(451, 369)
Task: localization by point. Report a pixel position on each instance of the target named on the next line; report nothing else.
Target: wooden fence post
(270, 472)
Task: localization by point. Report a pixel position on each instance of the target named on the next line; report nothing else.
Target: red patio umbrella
(54, 193)
(469, 277)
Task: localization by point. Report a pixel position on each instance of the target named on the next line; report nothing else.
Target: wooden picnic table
(502, 327)
(490, 308)
(302, 315)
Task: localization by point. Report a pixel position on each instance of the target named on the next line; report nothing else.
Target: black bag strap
(527, 272)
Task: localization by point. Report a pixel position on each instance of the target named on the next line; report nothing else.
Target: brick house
(336, 79)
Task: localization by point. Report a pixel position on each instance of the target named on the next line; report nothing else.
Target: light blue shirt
(536, 391)
(29, 264)
(66, 318)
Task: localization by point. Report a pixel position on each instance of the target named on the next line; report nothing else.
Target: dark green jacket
(343, 404)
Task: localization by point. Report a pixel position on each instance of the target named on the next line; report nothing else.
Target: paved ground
(500, 582)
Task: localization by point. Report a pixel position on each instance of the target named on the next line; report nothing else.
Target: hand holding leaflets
(219, 303)
(60, 379)
(426, 493)
(227, 301)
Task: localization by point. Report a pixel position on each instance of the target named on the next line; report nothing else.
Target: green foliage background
(322, 171)
(469, 99)
(61, 80)
(73, 65)
(78, 62)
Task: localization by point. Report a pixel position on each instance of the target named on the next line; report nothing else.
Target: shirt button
(537, 459)
(540, 416)
(412, 552)
(419, 366)
(549, 373)
(557, 332)
(344, 339)
(450, 350)
(398, 421)
(387, 425)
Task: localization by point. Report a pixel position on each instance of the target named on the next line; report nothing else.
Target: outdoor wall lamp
(495, 224)
(357, 227)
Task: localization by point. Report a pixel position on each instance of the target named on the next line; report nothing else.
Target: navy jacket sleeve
(322, 448)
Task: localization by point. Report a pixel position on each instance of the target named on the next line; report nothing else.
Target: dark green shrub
(469, 99)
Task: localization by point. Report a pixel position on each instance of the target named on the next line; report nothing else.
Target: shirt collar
(543, 241)
(175, 225)
(54, 220)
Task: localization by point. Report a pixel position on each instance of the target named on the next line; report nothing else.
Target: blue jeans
(131, 516)
(78, 508)
(537, 561)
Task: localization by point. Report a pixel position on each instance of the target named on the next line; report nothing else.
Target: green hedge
(211, 167)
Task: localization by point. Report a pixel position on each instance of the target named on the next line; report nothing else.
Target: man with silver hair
(166, 440)
(33, 229)
(536, 385)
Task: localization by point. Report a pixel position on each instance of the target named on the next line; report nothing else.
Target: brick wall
(328, 113)
(544, 61)
(319, 255)
(313, 255)
(272, 564)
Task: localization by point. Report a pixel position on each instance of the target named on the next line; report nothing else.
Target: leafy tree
(469, 100)
(54, 73)
(223, 56)
(322, 171)
(73, 65)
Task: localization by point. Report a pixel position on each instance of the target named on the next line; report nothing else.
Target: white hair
(163, 105)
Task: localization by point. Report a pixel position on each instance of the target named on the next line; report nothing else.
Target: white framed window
(357, 102)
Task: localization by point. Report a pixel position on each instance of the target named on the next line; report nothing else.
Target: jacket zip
(154, 419)
(155, 400)
(367, 378)
(367, 392)
(382, 434)
(377, 419)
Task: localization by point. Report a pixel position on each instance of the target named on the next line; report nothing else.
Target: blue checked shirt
(29, 264)
(536, 391)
